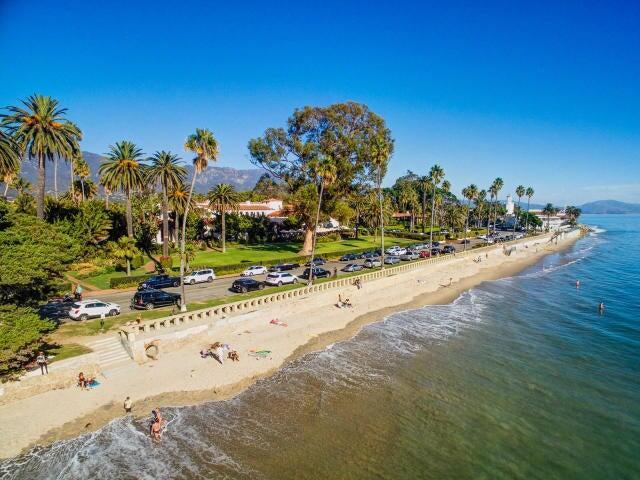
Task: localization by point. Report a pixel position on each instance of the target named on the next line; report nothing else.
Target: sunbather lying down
(343, 303)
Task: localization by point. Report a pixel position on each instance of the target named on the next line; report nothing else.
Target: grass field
(256, 254)
(274, 251)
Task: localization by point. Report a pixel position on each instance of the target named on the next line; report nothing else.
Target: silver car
(373, 263)
(410, 255)
(391, 260)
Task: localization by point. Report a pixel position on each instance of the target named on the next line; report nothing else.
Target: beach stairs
(111, 353)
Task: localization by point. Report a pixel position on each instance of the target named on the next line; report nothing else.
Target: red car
(425, 254)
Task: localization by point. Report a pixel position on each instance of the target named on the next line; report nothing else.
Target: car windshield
(76, 305)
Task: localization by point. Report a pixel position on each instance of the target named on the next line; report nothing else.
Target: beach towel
(93, 384)
(259, 353)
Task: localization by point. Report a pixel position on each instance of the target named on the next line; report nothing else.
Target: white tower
(509, 205)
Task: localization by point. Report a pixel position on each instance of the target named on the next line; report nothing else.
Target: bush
(167, 263)
(137, 262)
(21, 332)
(122, 282)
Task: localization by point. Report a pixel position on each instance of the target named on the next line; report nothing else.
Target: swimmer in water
(601, 307)
(155, 429)
(577, 283)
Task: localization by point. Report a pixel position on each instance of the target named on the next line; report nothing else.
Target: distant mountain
(212, 176)
(610, 206)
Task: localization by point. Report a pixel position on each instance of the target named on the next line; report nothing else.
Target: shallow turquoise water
(518, 378)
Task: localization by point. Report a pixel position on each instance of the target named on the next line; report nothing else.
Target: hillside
(610, 206)
(242, 179)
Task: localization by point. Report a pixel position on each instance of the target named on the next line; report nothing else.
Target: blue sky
(545, 94)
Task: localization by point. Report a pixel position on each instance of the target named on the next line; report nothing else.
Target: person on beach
(41, 360)
(155, 429)
(82, 381)
(128, 405)
(220, 353)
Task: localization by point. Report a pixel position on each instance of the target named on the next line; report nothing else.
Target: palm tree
(167, 169)
(123, 171)
(178, 197)
(549, 210)
(326, 173)
(573, 213)
(205, 146)
(42, 132)
(520, 191)
(9, 159)
(529, 193)
(379, 160)
(470, 193)
(496, 186)
(436, 174)
(21, 185)
(481, 201)
(83, 172)
(424, 186)
(126, 249)
(224, 198)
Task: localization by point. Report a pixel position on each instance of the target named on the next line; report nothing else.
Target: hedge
(122, 282)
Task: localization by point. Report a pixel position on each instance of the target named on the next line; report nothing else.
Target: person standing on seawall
(41, 360)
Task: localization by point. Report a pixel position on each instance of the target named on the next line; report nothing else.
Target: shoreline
(100, 415)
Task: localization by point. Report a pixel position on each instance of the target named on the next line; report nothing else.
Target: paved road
(220, 286)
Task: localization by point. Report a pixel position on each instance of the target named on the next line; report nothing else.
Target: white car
(254, 270)
(280, 278)
(396, 251)
(93, 309)
(372, 262)
(200, 276)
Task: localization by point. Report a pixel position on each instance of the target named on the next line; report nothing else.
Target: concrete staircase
(111, 353)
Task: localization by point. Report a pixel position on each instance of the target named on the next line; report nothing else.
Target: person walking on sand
(41, 360)
(128, 405)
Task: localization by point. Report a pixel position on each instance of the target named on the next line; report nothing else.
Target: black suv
(284, 266)
(159, 281)
(348, 257)
(150, 298)
(448, 249)
(243, 285)
(317, 273)
(56, 309)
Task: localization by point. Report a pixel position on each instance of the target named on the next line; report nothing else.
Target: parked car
(465, 240)
(56, 309)
(317, 273)
(316, 261)
(86, 309)
(254, 270)
(368, 255)
(435, 252)
(372, 262)
(349, 257)
(435, 244)
(152, 298)
(280, 278)
(284, 266)
(159, 281)
(391, 260)
(352, 267)
(200, 276)
(410, 255)
(396, 251)
(448, 249)
(243, 285)
(425, 254)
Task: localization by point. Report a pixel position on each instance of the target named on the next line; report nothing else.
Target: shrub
(123, 282)
(137, 261)
(167, 263)
(21, 332)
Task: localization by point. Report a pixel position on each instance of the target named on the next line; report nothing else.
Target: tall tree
(548, 211)
(529, 193)
(495, 188)
(166, 169)
(436, 174)
(520, 191)
(470, 193)
(224, 198)
(126, 249)
(123, 171)
(344, 132)
(481, 203)
(83, 172)
(205, 147)
(9, 159)
(178, 198)
(42, 132)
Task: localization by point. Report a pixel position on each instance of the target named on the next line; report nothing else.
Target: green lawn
(256, 254)
(67, 350)
(101, 281)
(274, 251)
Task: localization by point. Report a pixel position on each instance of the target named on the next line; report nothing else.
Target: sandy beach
(182, 377)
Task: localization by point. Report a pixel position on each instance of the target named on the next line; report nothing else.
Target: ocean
(519, 378)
